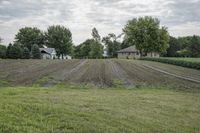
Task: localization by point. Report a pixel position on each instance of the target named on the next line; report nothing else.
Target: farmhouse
(133, 53)
(48, 53)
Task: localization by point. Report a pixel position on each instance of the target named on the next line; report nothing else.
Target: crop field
(102, 73)
(98, 96)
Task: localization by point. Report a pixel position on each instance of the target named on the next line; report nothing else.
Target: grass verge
(184, 62)
(89, 109)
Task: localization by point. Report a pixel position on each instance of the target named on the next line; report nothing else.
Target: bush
(183, 63)
(3, 51)
(15, 52)
(26, 53)
(36, 52)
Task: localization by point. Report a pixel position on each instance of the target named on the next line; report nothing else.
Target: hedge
(195, 65)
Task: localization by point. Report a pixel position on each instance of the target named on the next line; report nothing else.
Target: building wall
(128, 55)
(153, 55)
(48, 56)
(137, 55)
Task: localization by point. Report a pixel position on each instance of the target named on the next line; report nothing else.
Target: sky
(109, 16)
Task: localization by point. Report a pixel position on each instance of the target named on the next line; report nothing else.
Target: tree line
(145, 33)
(188, 46)
(28, 41)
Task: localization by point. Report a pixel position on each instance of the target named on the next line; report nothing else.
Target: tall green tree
(194, 48)
(29, 36)
(3, 51)
(59, 38)
(8, 51)
(26, 53)
(77, 52)
(95, 35)
(147, 35)
(174, 47)
(35, 52)
(96, 46)
(86, 48)
(112, 44)
(15, 51)
(96, 50)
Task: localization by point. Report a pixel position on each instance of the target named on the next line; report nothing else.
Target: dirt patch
(103, 73)
(119, 73)
(65, 73)
(174, 75)
(94, 72)
(142, 75)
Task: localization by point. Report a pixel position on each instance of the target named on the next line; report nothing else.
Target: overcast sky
(108, 16)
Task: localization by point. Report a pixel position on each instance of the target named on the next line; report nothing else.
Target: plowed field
(109, 73)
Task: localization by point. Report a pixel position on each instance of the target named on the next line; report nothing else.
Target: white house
(105, 52)
(133, 53)
(48, 53)
(65, 57)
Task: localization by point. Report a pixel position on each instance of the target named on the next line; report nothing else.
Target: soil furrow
(119, 73)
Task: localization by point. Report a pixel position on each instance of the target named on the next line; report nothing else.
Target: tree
(59, 38)
(96, 50)
(147, 35)
(35, 52)
(95, 35)
(28, 36)
(3, 51)
(194, 48)
(15, 51)
(91, 48)
(112, 44)
(96, 46)
(26, 53)
(8, 51)
(183, 46)
(86, 48)
(174, 47)
(77, 51)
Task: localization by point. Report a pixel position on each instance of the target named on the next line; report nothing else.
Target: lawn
(185, 59)
(87, 109)
(184, 62)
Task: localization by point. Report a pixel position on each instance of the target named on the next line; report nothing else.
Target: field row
(98, 72)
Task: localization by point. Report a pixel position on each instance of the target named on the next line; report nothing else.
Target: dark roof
(47, 50)
(128, 50)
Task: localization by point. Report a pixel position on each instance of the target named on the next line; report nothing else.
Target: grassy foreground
(90, 110)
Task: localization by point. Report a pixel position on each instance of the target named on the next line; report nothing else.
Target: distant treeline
(183, 47)
(145, 33)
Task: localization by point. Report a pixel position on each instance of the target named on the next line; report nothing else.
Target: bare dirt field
(127, 73)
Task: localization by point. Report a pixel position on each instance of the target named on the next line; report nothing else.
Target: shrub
(26, 53)
(3, 51)
(15, 51)
(35, 52)
(183, 63)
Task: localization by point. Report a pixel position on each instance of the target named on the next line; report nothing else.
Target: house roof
(128, 50)
(47, 50)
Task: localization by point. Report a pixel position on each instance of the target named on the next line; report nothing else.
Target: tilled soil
(128, 73)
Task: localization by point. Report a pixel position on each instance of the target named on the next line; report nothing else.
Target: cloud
(108, 16)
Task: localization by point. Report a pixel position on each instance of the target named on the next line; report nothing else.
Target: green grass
(184, 62)
(91, 110)
(185, 59)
